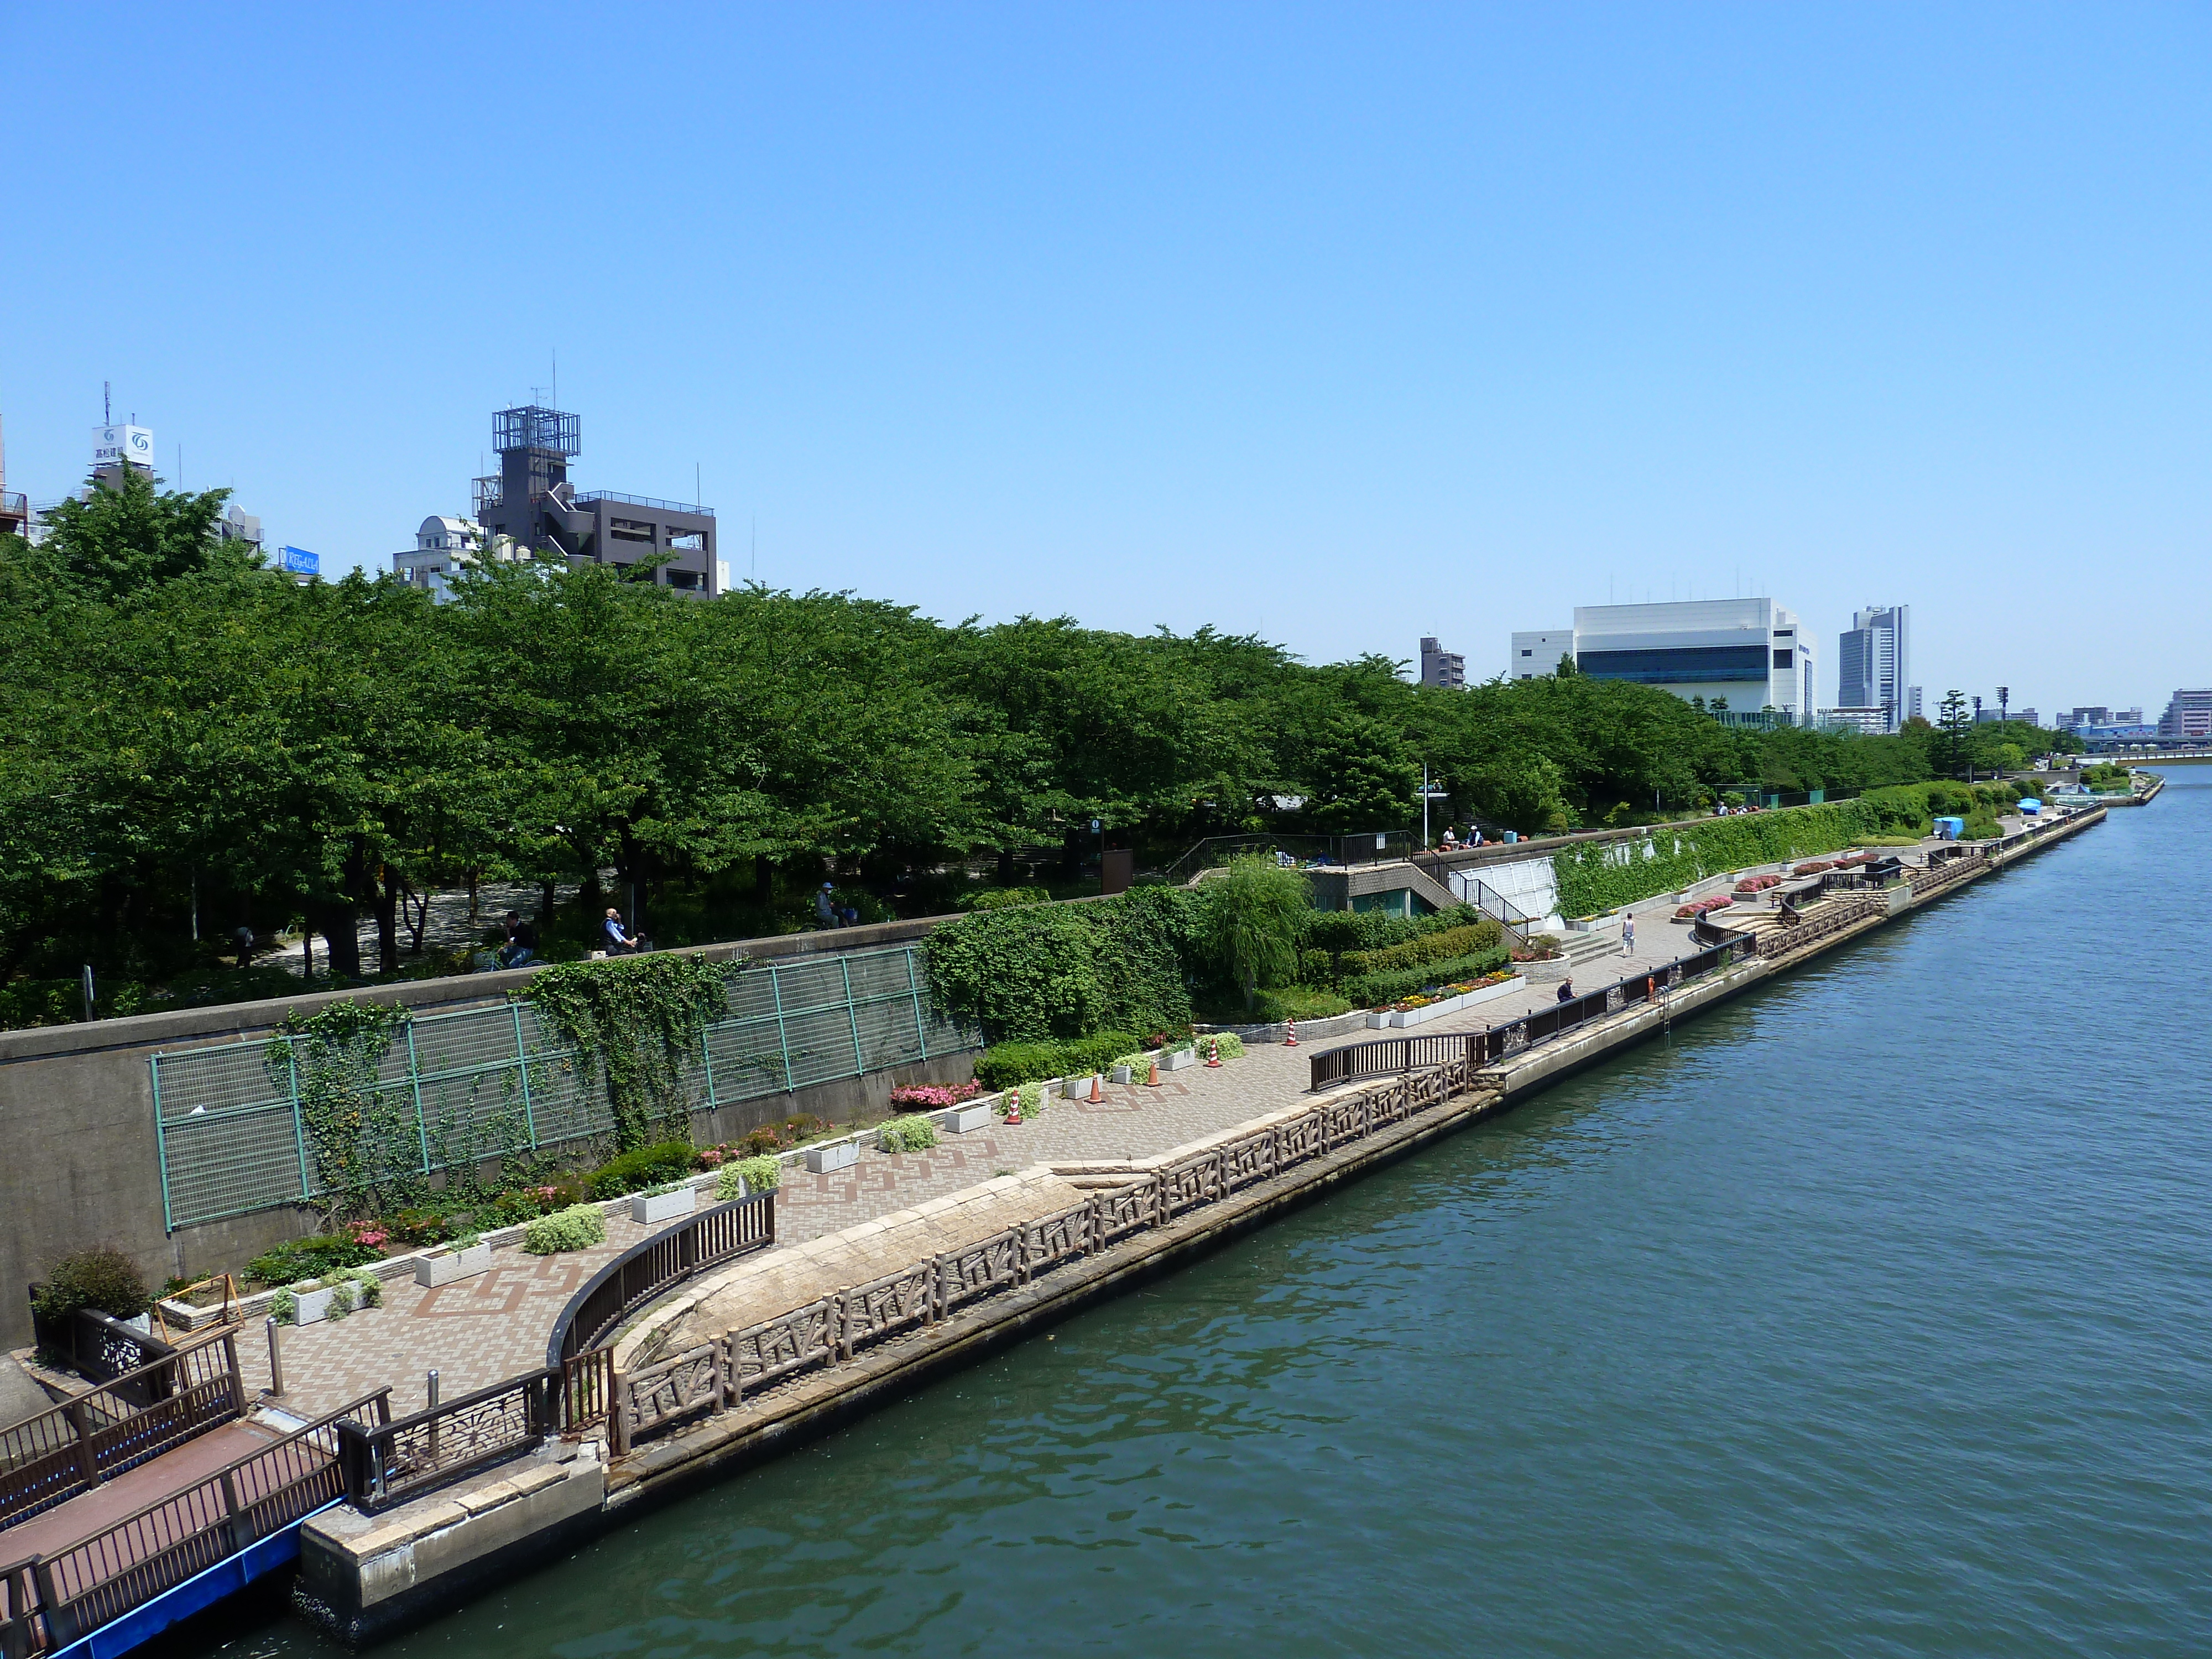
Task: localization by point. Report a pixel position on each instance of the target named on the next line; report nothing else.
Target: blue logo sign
(299, 561)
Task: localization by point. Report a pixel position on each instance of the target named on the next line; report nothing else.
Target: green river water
(1865, 1316)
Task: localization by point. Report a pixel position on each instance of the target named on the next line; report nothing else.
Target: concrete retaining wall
(83, 1166)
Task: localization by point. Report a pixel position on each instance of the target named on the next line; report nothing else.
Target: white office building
(1745, 657)
(1537, 654)
(443, 549)
(1872, 662)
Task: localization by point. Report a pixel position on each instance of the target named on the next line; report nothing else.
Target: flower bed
(1757, 884)
(1818, 866)
(1444, 1000)
(1703, 906)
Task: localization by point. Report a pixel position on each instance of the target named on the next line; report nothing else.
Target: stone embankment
(745, 1363)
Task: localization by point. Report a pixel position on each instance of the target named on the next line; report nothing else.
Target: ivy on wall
(1604, 877)
(364, 1141)
(1033, 972)
(635, 1022)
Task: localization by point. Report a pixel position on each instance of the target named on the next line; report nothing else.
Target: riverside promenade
(901, 1269)
(481, 1330)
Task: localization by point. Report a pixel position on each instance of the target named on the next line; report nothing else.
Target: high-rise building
(1440, 667)
(14, 509)
(2187, 714)
(1749, 656)
(1872, 662)
(532, 501)
(1913, 710)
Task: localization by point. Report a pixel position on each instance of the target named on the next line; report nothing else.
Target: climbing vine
(634, 1023)
(364, 1140)
(1601, 876)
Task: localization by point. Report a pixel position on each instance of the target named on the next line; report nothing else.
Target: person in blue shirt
(619, 941)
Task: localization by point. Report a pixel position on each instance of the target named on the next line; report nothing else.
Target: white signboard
(111, 444)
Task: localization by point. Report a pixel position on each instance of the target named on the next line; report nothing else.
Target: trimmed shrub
(576, 1228)
(1442, 945)
(1300, 1002)
(648, 1166)
(907, 1134)
(1009, 1063)
(999, 898)
(102, 1279)
(760, 1175)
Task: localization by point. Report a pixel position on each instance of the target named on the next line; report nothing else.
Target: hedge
(1008, 1063)
(1464, 940)
(1372, 990)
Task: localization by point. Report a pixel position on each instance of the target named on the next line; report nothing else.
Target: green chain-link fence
(482, 1081)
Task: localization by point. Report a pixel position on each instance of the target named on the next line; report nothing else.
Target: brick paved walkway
(485, 1329)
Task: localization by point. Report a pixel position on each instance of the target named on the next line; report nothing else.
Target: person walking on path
(1628, 933)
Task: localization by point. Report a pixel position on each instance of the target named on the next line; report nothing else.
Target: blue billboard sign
(299, 561)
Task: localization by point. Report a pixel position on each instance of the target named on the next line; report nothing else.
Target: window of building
(687, 541)
(688, 579)
(1528, 654)
(1783, 658)
(1693, 664)
(1785, 633)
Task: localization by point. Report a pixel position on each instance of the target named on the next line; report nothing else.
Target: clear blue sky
(1339, 324)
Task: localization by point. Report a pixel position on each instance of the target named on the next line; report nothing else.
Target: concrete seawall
(364, 1580)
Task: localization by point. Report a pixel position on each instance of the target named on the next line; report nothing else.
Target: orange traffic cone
(1213, 1054)
(1098, 1097)
(1153, 1081)
(1290, 1033)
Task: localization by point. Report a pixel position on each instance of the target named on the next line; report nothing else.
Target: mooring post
(276, 1357)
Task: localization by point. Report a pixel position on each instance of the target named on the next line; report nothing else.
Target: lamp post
(1428, 795)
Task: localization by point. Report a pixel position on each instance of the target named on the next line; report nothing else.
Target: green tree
(1359, 776)
(126, 537)
(1250, 920)
(1953, 725)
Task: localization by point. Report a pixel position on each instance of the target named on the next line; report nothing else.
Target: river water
(1866, 1315)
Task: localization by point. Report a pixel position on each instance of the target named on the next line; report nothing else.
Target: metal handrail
(389, 1463)
(645, 1269)
(691, 507)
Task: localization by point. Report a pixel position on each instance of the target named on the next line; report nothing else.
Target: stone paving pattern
(483, 1330)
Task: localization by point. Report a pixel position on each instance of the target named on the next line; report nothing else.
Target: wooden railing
(645, 1270)
(718, 1374)
(48, 1601)
(188, 1390)
(389, 1462)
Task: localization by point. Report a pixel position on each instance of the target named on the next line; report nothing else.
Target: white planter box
(961, 1119)
(313, 1306)
(646, 1208)
(1121, 1074)
(450, 1265)
(842, 1156)
(1177, 1061)
(1449, 1006)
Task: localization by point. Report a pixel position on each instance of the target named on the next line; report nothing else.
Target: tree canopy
(180, 725)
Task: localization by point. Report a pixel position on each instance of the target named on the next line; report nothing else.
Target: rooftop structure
(532, 501)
